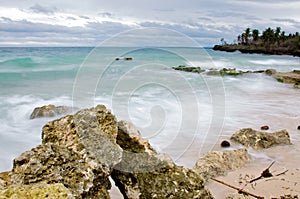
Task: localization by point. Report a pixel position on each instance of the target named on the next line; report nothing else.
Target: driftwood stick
(265, 174)
(238, 189)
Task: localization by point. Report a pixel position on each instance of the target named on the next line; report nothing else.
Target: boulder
(50, 163)
(143, 173)
(258, 140)
(50, 111)
(216, 163)
(37, 191)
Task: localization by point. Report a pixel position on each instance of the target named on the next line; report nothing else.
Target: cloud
(37, 8)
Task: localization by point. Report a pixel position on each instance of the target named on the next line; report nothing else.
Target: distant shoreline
(255, 50)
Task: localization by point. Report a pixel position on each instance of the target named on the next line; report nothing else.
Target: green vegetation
(270, 41)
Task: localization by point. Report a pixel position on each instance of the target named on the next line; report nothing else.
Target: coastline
(255, 50)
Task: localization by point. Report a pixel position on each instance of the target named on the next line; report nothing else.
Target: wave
(274, 62)
(20, 62)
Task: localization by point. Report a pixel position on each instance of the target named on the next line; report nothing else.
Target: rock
(237, 196)
(189, 69)
(217, 163)
(5, 179)
(37, 191)
(225, 143)
(50, 163)
(298, 127)
(288, 77)
(265, 127)
(225, 72)
(270, 71)
(258, 140)
(50, 111)
(145, 174)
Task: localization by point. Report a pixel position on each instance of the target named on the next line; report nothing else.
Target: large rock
(145, 174)
(258, 140)
(36, 191)
(217, 163)
(50, 163)
(50, 111)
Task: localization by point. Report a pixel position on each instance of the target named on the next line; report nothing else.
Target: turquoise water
(182, 114)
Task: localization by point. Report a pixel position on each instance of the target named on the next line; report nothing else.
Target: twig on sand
(265, 174)
(238, 189)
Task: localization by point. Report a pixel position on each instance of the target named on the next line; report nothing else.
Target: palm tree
(247, 35)
(255, 35)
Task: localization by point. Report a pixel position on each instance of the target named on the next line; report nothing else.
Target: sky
(89, 22)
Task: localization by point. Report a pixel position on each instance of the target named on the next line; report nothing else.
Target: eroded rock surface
(36, 191)
(217, 163)
(50, 111)
(292, 77)
(145, 174)
(258, 140)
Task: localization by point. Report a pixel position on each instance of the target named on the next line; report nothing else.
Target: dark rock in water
(257, 140)
(298, 127)
(225, 143)
(258, 71)
(270, 71)
(50, 111)
(189, 69)
(217, 163)
(145, 174)
(265, 127)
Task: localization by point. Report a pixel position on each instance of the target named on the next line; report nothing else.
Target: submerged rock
(258, 140)
(189, 69)
(50, 111)
(143, 173)
(217, 163)
(36, 191)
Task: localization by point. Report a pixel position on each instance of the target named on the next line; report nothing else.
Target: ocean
(182, 114)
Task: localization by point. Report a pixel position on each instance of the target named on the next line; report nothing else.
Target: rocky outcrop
(292, 77)
(50, 111)
(258, 140)
(189, 69)
(217, 163)
(145, 174)
(36, 191)
(77, 151)
(225, 72)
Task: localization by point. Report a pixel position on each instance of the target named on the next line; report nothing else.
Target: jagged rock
(49, 163)
(189, 69)
(4, 179)
(145, 174)
(257, 140)
(91, 134)
(237, 196)
(50, 111)
(36, 191)
(217, 163)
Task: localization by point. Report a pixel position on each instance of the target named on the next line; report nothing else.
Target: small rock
(225, 143)
(50, 111)
(298, 127)
(265, 127)
(270, 71)
(258, 140)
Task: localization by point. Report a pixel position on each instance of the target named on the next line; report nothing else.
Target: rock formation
(217, 163)
(50, 111)
(258, 140)
(145, 174)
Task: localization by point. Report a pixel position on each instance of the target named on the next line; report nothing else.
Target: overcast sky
(86, 23)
